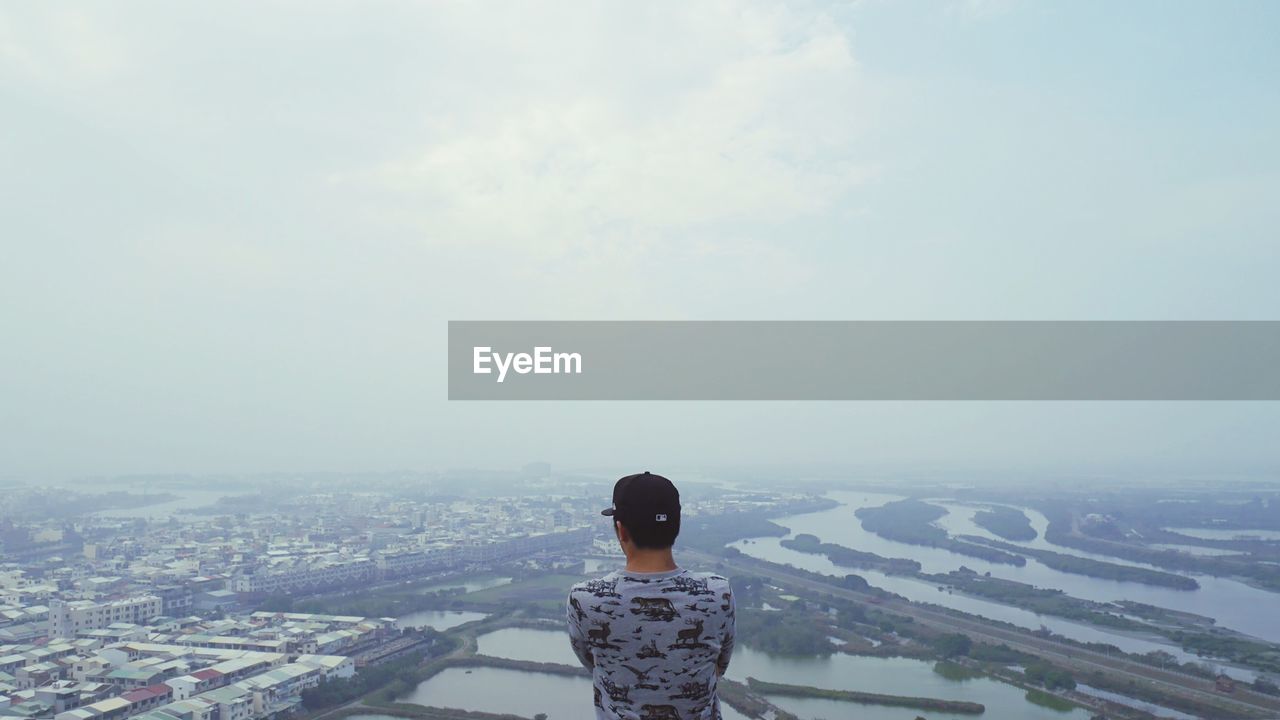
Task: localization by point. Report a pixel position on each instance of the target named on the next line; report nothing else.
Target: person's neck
(651, 561)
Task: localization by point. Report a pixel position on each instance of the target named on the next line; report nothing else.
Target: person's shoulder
(593, 586)
(714, 581)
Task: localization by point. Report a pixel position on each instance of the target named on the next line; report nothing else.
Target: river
(920, 591)
(438, 619)
(894, 676)
(562, 697)
(184, 503)
(470, 584)
(497, 690)
(1232, 603)
(1225, 534)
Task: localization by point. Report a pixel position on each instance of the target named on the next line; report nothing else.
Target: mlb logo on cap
(660, 517)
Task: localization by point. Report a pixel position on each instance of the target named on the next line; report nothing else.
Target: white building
(67, 619)
(293, 574)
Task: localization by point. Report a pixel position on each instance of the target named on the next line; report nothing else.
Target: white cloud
(58, 46)
(762, 130)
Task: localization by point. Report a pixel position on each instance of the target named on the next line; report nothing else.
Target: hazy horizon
(1171, 475)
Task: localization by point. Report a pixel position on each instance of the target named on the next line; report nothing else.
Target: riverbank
(419, 712)
(867, 698)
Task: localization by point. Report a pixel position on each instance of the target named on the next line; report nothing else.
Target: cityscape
(314, 595)
(107, 615)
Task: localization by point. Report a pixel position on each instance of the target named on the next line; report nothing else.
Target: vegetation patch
(911, 521)
(1009, 523)
(1051, 677)
(956, 671)
(1077, 565)
(1049, 700)
(739, 697)
(1059, 532)
(711, 533)
(1039, 600)
(783, 633)
(1242, 650)
(847, 557)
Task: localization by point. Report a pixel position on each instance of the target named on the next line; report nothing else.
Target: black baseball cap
(644, 498)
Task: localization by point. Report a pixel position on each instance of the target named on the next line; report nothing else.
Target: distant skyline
(233, 233)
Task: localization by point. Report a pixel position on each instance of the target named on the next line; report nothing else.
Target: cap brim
(607, 512)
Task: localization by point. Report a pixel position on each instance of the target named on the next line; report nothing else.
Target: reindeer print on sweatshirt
(656, 643)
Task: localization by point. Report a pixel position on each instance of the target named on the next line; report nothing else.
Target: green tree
(953, 645)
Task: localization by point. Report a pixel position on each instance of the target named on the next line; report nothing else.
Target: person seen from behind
(656, 637)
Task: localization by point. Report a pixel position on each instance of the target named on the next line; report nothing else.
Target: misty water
(185, 502)
(1196, 550)
(497, 690)
(528, 644)
(1226, 534)
(894, 676)
(469, 585)
(1232, 603)
(920, 591)
(438, 619)
(1160, 710)
(898, 676)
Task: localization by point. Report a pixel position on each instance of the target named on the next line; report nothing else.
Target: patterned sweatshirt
(656, 643)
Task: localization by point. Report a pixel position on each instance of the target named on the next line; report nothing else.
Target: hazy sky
(231, 234)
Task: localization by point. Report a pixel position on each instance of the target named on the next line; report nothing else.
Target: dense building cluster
(251, 666)
(107, 616)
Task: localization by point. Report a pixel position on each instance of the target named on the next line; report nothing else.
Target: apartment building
(69, 618)
(304, 574)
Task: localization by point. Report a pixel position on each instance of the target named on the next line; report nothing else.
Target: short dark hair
(653, 536)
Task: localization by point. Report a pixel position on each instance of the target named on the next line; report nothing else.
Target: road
(1246, 702)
